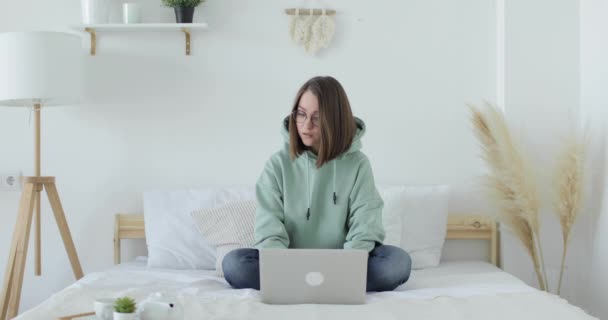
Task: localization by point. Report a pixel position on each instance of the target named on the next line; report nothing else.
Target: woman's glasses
(301, 116)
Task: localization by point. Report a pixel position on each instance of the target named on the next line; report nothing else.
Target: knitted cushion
(227, 227)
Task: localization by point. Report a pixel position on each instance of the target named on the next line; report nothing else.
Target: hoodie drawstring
(307, 187)
(335, 197)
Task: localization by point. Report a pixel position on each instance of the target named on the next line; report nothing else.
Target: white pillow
(424, 223)
(391, 214)
(228, 227)
(172, 239)
(414, 217)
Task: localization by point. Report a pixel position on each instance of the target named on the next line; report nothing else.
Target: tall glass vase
(95, 11)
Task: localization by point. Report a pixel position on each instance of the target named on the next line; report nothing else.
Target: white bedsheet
(454, 290)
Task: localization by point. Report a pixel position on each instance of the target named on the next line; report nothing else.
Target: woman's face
(307, 120)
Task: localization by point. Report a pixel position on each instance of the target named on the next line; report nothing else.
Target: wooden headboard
(460, 227)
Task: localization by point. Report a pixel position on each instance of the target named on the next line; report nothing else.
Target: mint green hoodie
(332, 207)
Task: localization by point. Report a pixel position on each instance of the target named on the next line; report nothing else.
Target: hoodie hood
(355, 145)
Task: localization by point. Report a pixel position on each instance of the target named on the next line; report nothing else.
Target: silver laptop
(326, 276)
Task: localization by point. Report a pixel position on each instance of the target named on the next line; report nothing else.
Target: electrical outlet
(10, 181)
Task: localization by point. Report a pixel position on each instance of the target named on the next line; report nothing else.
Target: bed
(453, 290)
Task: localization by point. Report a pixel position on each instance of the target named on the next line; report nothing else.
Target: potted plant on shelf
(184, 9)
(124, 309)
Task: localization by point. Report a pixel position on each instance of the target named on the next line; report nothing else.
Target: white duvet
(457, 290)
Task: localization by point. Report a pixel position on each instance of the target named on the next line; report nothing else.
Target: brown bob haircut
(336, 121)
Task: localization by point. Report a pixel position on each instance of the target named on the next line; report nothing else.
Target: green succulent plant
(124, 305)
(182, 3)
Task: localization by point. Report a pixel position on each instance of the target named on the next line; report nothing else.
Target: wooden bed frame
(460, 227)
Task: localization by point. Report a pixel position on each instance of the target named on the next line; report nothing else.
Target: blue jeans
(387, 268)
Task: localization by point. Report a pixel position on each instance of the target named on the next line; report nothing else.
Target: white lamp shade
(40, 67)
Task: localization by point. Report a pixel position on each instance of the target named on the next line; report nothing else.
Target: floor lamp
(37, 69)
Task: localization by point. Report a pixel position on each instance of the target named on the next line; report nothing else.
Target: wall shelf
(94, 29)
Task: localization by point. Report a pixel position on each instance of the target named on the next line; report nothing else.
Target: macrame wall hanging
(312, 29)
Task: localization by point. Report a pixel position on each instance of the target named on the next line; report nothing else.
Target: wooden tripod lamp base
(13, 278)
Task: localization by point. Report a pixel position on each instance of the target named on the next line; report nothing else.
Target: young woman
(319, 192)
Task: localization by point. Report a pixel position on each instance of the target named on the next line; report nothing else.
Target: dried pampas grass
(510, 183)
(568, 178)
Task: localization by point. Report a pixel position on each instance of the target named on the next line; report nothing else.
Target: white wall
(594, 99)
(541, 86)
(157, 119)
